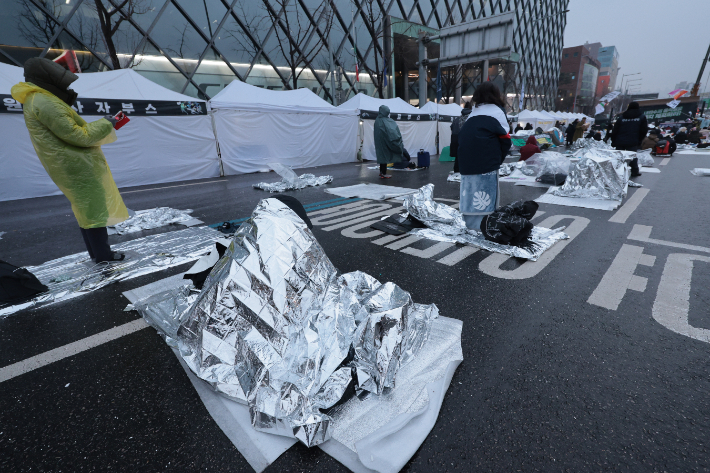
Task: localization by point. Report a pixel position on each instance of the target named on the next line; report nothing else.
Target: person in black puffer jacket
(455, 130)
(484, 143)
(682, 136)
(628, 133)
(570, 132)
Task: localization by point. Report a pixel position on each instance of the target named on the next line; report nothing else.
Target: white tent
(536, 119)
(417, 126)
(256, 126)
(171, 141)
(445, 115)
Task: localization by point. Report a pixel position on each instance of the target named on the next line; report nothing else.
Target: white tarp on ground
(416, 134)
(295, 128)
(149, 150)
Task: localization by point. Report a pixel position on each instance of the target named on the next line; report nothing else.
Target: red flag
(69, 60)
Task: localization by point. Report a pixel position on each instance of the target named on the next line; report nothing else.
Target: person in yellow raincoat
(70, 151)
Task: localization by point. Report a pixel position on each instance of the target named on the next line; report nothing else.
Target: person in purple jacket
(484, 143)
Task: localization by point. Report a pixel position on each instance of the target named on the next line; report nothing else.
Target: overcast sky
(664, 41)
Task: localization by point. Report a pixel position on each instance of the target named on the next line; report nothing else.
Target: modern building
(576, 91)
(684, 85)
(608, 57)
(197, 47)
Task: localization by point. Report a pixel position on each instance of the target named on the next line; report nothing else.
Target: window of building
(576, 54)
(567, 55)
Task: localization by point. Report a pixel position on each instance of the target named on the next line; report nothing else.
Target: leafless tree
(375, 23)
(297, 33)
(111, 16)
(451, 77)
(36, 28)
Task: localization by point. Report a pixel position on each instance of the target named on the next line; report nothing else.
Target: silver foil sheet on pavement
(599, 174)
(276, 327)
(446, 224)
(291, 181)
(75, 275)
(454, 177)
(152, 218)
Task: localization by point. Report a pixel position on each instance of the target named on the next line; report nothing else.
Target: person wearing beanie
(629, 132)
(70, 151)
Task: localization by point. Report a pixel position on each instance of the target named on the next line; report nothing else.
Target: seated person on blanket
(406, 162)
(484, 143)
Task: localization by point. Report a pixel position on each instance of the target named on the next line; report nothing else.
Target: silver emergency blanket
(645, 158)
(504, 170)
(291, 181)
(75, 275)
(700, 172)
(634, 184)
(589, 143)
(454, 177)
(547, 162)
(153, 218)
(446, 224)
(681, 147)
(598, 174)
(274, 327)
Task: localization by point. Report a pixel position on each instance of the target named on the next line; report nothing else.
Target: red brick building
(577, 87)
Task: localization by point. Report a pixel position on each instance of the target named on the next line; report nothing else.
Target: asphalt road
(593, 358)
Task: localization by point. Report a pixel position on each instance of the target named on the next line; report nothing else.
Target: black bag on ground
(18, 285)
(510, 224)
(397, 224)
(552, 179)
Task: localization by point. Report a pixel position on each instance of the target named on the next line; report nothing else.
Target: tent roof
(124, 84)
(242, 96)
(449, 109)
(527, 115)
(365, 102)
(9, 76)
(546, 115)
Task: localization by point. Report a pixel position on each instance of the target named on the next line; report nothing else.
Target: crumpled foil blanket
(455, 177)
(276, 327)
(685, 146)
(597, 173)
(446, 224)
(152, 218)
(506, 169)
(291, 181)
(75, 275)
(589, 143)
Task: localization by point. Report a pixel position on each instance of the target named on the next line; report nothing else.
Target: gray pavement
(593, 358)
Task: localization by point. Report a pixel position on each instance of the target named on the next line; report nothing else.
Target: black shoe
(635, 174)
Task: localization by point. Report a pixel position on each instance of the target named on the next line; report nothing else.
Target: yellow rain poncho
(70, 151)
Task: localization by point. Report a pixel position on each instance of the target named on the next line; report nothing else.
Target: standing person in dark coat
(528, 126)
(484, 143)
(629, 132)
(455, 130)
(571, 130)
(389, 147)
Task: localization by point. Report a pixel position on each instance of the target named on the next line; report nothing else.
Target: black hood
(51, 77)
(632, 113)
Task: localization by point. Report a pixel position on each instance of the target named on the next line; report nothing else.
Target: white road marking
(398, 245)
(48, 357)
(620, 277)
(363, 211)
(643, 233)
(430, 252)
(458, 255)
(665, 161)
(491, 265)
(170, 187)
(387, 239)
(628, 208)
(672, 303)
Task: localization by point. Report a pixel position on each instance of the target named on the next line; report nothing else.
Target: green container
(445, 156)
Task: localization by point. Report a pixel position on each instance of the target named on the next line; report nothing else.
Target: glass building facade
(197, 47)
